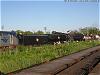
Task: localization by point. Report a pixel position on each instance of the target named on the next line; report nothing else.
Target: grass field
(25, 56)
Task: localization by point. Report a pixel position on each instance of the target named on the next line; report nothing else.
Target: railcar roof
(41, 34)
(36, 35)
(8, 32)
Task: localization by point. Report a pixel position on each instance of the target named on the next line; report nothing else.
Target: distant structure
(2, 27)
(45, 29)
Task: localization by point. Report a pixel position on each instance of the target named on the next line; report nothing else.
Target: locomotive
(8, 38)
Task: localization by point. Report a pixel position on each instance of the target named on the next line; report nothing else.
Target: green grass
(25, 56)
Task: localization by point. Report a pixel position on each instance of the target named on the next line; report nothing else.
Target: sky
(55, 15)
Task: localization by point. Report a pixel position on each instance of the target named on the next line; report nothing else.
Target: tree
(93, 30)
(98, 32)
(47, 32)
(85, 31)
(19, 32)
(28, 32)
(39, 32)
(89, 31)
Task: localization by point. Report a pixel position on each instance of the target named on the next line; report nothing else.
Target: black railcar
(33, 39)
(62, 36)
(42, 39)
(78, 37)
(57, 38)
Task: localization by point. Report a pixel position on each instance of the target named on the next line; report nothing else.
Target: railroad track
(86, 62)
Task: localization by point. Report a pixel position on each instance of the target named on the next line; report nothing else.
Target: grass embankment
(25, 56)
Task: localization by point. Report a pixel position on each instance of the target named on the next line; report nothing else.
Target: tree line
(29, 32)
(85, 31)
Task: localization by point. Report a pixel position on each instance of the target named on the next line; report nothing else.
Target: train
(10, 38)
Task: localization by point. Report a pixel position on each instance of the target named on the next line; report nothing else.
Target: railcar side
(8, 39)
(32, 39)
(42, 39)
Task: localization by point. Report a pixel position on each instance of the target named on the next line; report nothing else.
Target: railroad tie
(88, 67)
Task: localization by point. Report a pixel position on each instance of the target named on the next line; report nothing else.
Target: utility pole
(45, 29)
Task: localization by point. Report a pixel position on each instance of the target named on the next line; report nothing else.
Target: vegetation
(90, 30)
(85, 31)
(29, 32)
(25, 56)
(39, 32)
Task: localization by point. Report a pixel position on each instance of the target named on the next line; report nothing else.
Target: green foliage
(19, 32)
(24, 32)
(39, 32)
(90, 30)
(28, 32)
(25, 56)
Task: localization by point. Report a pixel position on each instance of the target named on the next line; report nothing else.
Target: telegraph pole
(45, 29)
